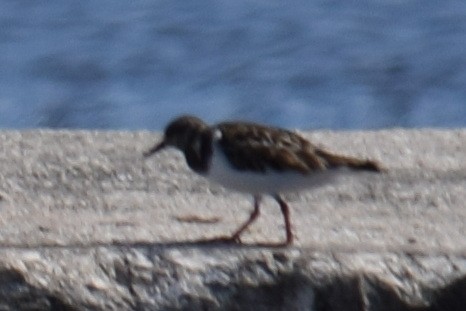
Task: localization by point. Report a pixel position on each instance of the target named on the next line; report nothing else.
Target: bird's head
(179, 133)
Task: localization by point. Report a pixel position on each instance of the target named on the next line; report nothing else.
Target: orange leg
(255, 213)
(286, 216)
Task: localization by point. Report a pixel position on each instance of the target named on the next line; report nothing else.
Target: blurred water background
(106, 64)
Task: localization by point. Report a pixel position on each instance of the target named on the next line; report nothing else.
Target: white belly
(269, 182)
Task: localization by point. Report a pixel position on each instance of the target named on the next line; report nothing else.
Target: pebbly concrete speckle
(87, 223)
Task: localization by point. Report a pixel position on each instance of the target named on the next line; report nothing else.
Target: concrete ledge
(87, 224)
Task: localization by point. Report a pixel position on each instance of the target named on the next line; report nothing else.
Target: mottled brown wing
(253, 147)
(334, 161)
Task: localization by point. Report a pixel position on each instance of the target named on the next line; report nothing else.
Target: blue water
(135, 64)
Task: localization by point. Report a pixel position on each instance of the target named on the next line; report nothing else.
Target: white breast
(270, 182)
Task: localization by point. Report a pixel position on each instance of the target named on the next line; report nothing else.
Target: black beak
(155, 149)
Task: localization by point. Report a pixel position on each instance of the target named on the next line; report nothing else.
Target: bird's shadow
(200, 243)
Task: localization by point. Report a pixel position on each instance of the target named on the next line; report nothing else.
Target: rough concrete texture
(87, 224)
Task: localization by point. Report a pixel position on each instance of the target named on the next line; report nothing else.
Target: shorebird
(256, 159)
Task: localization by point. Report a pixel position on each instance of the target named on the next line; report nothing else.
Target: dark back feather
(254, 147)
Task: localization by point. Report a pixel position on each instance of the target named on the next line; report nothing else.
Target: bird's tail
(334, 161)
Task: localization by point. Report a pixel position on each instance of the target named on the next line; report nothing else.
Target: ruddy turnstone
(256, 159)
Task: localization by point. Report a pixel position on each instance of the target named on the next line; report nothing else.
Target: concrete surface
(87, 224)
